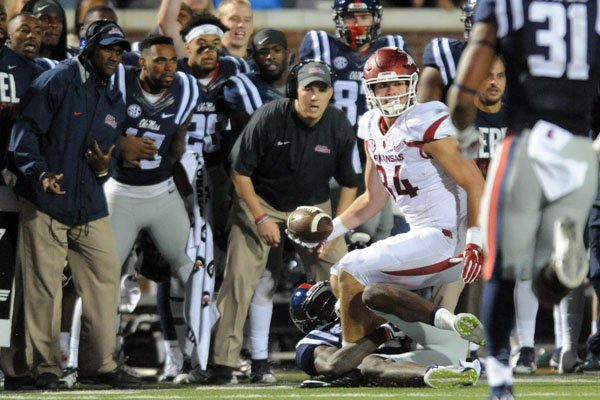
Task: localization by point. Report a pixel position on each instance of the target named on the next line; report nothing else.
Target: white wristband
(474, 236)
(339, 229)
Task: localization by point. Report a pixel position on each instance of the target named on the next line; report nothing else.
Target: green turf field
(547, 386)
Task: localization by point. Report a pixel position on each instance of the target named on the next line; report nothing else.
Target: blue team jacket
(64, 111)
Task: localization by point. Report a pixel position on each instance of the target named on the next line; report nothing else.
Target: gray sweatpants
(163, 216)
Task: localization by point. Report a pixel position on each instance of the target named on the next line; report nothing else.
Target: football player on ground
(322, 355)
(536, 201)
(413, 157)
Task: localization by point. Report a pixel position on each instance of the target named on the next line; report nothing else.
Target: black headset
(291, 86)
(89, 40)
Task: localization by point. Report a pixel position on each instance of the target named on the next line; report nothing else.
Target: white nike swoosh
(42, 8)
(12, 66)
(166, 115)
(280, 143)
(260, 42)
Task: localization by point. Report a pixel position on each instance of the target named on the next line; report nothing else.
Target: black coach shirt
(291, 164)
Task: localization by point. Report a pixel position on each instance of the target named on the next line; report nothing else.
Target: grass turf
(545, 385)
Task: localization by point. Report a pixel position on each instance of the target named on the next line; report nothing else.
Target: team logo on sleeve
(134, 111)
(340, 62)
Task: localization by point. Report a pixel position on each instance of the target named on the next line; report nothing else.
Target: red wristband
(262, 218)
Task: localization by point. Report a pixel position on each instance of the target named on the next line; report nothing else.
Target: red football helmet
(390, 64)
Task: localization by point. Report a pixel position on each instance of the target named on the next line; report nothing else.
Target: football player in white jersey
(411, 150)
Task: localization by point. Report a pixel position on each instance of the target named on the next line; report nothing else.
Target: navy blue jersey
(158, 121)
(492, 129)
(17, 73)
(247, 92)
(208, 131)
(443, 54)
(552, 61)
(245, 65)
(348, 92)
(326, 335)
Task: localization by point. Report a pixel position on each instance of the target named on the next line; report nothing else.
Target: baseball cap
(46, 7)
(313, 72)
(109, 34)
(269, 36)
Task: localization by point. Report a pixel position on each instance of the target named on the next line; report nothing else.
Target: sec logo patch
(134, 111)
(340, 62)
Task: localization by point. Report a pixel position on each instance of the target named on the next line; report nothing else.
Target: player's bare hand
(51, 183)
(134, 149)
(269, 233)
(97, 159)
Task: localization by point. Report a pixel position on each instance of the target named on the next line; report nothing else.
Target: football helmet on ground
(390, 64)
(356, 36)
(312, 305)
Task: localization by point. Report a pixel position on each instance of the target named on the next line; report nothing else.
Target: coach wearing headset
(284, 158)
(62, 142)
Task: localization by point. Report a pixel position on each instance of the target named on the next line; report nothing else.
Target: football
(310, 224)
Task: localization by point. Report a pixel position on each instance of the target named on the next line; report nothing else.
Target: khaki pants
(246, 260)
(90, 249)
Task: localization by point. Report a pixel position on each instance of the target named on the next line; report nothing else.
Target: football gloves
(472, 256)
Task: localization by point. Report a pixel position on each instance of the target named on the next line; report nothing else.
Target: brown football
(310, 224)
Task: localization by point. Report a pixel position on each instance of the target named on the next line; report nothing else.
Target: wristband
(474, 236)
(339, 229)
(262, 218)
(102, 173)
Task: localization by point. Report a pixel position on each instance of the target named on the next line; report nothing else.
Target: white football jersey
(423, 191)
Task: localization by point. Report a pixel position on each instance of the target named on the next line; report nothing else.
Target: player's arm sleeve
(428, 55)
(308, 45)
(41, 102)
(304, 358)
